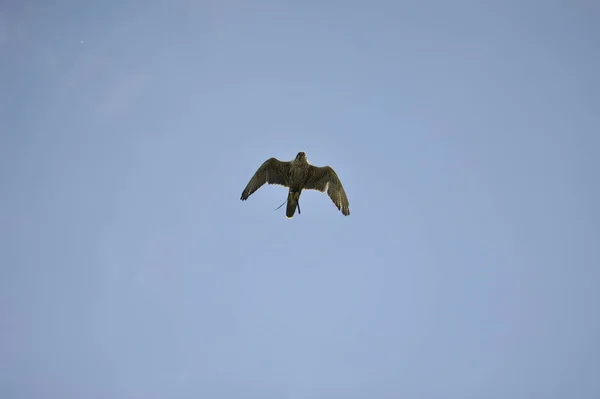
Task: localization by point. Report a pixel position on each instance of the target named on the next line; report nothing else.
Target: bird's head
(301, 155)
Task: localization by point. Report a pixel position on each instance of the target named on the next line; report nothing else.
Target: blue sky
(466, 135)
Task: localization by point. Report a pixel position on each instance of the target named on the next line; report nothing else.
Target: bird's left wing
(325, 179)
(272, 171)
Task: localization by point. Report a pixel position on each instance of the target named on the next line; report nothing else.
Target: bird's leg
(284, 202)
(298, 202)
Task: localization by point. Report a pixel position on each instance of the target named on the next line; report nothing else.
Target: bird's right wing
(325, 179)
(272, 171)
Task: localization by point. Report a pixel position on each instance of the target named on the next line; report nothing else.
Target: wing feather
(272, 171)
(325, 179)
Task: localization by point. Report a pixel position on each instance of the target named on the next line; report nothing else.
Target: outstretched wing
(325, 179)
(272, 171)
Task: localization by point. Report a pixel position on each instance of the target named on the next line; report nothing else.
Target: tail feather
(292, 204)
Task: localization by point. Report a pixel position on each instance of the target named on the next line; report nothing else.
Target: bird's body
(298, 175)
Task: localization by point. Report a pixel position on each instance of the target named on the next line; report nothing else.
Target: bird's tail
(292, 203)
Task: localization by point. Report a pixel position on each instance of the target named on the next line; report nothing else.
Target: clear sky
(467, 137)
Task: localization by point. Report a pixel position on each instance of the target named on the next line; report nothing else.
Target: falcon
(299, 175)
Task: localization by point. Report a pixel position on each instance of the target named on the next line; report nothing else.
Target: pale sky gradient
(466, 134)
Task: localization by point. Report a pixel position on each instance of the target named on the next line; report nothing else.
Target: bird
(299, 175)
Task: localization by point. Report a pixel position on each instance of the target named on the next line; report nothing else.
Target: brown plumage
(299, 175)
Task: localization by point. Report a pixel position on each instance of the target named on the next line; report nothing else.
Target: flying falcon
(298, 175)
